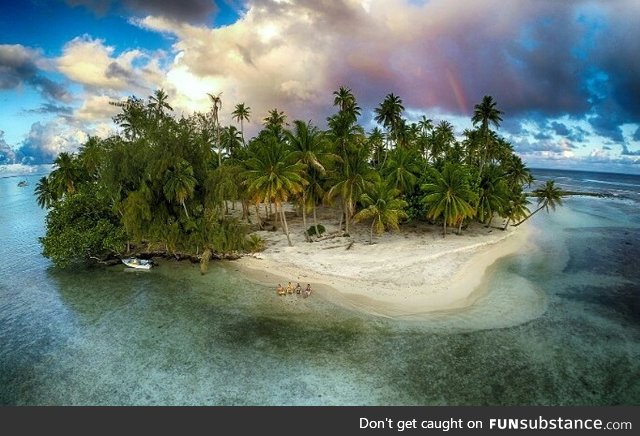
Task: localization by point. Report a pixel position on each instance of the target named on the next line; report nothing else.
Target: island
(403, 219)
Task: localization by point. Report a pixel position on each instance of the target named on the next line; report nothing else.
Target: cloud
(51, 108)
(194, 11)
(21, 65)
(89, 62)
(7, 155)
(562, 147)
(560, 129)
(436, 55)
(45, 141)
(627, 152)
(96, 108)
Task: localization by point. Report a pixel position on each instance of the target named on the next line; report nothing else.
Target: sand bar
(410, 272)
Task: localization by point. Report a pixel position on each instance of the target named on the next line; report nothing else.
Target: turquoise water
(560, 325)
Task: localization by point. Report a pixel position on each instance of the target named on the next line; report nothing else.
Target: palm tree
(274, 119)
(216, 102)
(389, 114)
(65, 176)
(346, 102)
(231, 140)
(402, 170)
(442, 139)
(382, 207)
(353, 177)
(449, 195)
(493, 194)
(241, 113)
(179, 184)
(549, 196)
(45, 192)
(516, 208)
(486, 113)
(517, 172)
(309, 148)
(375, 142)
(273, 175)
(158, 103)
(90, 156)
(134, 118)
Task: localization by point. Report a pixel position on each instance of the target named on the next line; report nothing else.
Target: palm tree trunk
(185, 209)
(284, 225)
(371, 232)
(506, 224)
(460, 226)
(258, 215)
(219, 145)
(304, 216)
(444, 229)
(275, 218)
(346, 218)
(315, 219)
(534, 212)
(245, 210)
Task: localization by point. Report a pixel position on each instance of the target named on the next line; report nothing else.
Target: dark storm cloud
(560, 129)
(193, 11)
(546, 59)
(578, 134)
(542, 136)
(18, 66)
(524, 65)
(608, 125)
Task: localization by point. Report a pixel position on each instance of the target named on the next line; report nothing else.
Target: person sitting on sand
(289, 288)
(307, 291)
(298, 288)
(280, 290)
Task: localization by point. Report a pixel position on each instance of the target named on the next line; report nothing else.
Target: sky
(565, 73)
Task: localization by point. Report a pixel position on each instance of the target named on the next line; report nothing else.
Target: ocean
(560, 325)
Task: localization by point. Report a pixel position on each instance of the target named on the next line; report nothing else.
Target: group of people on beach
(281, 290)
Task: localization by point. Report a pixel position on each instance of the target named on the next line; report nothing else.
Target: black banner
(321, 420)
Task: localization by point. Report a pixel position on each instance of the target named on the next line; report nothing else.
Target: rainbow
(458, 91)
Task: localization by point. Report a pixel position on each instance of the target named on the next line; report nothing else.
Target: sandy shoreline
(411, 272)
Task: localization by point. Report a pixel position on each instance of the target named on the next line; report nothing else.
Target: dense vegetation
(165, 184)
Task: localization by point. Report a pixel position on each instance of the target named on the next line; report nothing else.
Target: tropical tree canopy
(166, 183)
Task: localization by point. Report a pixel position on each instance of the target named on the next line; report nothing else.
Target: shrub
(312, 230)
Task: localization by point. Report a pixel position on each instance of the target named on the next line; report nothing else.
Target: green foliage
(255, 243)
(167, 181)
(311, 231)
(383, 207)
(449, 195)
(79, 227)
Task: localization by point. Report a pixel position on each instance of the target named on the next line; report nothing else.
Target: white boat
(134, 262)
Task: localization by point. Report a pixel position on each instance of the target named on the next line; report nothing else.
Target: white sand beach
(410, 272)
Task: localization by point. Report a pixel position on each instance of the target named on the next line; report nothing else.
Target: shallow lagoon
(172, 336)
